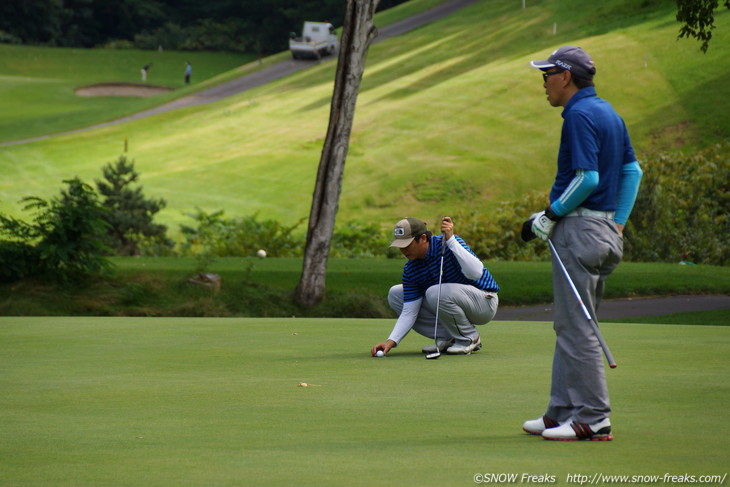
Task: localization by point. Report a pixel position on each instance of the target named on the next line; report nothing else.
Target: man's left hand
(527, 233)
(543, 223)
(447, 227)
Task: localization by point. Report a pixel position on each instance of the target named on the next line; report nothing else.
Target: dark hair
(426, 233)
(581, 82)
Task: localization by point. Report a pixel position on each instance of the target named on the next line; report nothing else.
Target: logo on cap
(406, 230)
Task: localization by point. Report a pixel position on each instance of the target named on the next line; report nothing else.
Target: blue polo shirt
(420, 274)
(594, 138)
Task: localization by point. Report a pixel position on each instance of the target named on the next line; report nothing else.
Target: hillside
(449, 114)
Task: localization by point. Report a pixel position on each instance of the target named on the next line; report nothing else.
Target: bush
(206, 34)
(495, 235)
(682, 212)
(64, 241)
(218, 236)
(359, 239)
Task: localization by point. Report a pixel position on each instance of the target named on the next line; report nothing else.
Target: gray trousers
(590, 249)
(461, 307)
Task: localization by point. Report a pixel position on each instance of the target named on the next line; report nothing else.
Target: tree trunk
(357, 34)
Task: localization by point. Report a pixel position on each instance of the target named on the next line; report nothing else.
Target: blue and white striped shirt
(420, 274)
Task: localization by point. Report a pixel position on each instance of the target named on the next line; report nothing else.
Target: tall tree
(357, 35)
(698, 18)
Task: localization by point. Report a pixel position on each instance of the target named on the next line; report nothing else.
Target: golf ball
(261, 253)
(380, 353)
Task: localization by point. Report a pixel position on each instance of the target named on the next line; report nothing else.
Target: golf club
(437, 353)
(594, 325)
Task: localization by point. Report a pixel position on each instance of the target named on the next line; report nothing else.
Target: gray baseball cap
(569, 58)
(406, 230)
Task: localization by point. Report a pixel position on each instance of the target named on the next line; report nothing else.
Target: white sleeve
(406, 320)
(471, 266)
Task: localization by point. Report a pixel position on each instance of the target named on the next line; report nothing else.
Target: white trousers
(461, 307)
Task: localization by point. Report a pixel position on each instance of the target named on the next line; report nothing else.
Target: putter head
(433, 355)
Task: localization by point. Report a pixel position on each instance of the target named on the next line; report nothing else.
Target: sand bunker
(122, 89)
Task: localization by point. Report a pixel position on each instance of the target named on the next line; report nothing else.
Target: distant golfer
(145, 69)
(594, 191)
(468, 294)
(188, 72)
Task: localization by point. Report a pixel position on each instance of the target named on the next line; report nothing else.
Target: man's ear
(569, 78)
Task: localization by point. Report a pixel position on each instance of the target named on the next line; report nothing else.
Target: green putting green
(217, 402)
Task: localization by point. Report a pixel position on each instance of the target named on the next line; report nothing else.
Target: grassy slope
(201, 402)
(37, 84)
(448, 113)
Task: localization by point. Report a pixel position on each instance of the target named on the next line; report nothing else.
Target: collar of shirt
(580, 95)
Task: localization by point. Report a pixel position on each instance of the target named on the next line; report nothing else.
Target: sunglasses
(545, 75)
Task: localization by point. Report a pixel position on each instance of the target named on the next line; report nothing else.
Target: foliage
(130, 215)
(358, 239)
(682, 212)
(218, 236)
(698, 19)
(64, 241)
(496, 235)
(71, 234)
(215, 235)
(232, 35)
(243, 26)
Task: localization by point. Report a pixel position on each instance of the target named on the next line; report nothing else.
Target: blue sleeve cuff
(627, 190)
(577, 191)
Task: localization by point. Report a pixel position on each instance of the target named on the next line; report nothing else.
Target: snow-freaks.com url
(667, 478)
(596, 479)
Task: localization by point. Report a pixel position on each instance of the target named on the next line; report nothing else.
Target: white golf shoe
(465, 349)
(537, 426)
(572, 431)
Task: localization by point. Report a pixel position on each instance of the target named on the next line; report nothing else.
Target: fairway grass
(215, 402)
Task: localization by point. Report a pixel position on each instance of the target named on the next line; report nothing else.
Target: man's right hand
(385, 347)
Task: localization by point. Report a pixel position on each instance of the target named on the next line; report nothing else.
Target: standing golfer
(468, 291)
(188, 72)
(595, 187)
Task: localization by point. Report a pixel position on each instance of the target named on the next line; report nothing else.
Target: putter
(596, 330)
(437, 353)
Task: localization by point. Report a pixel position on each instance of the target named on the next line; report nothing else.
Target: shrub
(64, 241)
(359, 239)
(495, 235)
(682, 212)
(218, 236)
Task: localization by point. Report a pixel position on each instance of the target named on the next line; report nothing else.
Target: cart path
(266, 75)
(625, 307)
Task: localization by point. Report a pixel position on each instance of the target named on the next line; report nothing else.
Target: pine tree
(130, 216)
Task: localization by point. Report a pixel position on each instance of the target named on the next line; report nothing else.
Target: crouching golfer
(468, 290)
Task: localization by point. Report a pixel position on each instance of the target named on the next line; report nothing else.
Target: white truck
(318, 39)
